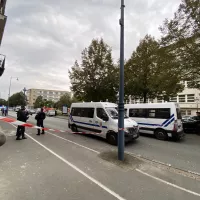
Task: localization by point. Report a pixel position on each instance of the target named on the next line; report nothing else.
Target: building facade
(53, 95)
(188, 99)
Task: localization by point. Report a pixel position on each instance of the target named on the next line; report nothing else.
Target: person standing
(40, 120)
(21, 116)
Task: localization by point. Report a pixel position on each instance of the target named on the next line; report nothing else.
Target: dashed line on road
(168, 183)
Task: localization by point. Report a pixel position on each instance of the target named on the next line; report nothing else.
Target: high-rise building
(53, 95)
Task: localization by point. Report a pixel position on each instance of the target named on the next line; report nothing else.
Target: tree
(16, 99)
(181, 35)
(66, 99)
(150, 72)
(39, 102)
(96, 78)
(3, 102)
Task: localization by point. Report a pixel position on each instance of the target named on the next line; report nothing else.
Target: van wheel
(112, 138)
(161, 134)
(74, 128)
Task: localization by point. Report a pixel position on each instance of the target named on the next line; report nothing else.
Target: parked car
(51, 113)
(32, 111)
(190, 124)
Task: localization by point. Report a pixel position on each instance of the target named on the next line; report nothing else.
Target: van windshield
(113, 113)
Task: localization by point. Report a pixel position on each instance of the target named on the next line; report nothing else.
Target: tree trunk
(145, 97)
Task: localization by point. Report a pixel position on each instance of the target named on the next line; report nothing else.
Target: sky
(43, 38)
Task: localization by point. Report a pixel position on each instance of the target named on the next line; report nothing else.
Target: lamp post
(24, 91)
(121, 89)
(10, 88)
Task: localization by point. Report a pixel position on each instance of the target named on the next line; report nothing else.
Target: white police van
(101, 118)
(160, 119)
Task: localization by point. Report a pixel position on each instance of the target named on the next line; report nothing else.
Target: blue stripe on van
(94, 125)
(169, 122)
(166, 122)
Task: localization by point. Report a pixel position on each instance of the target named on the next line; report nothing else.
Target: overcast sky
(43, 38)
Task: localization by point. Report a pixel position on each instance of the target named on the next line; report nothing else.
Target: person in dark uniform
(21, 116)
(40, 120)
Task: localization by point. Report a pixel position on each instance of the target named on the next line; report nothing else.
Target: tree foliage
(181, 35)
(39, 102)
(3, 102)
(16, 99)
(66, 99)
(150, 72)
(96, 78)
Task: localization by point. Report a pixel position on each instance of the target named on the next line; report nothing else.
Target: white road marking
(168, 183)
(74, 143)
(117, 196)
(97, 182)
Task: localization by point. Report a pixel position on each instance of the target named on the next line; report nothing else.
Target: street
(73, 166)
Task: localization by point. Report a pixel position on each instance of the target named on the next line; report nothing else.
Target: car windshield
(113, 113)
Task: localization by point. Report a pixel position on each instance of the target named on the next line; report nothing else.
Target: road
(183, 154)
(71, 166)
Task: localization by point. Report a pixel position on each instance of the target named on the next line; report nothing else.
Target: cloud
(43, 38)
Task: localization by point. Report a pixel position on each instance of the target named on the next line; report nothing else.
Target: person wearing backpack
(40, 120)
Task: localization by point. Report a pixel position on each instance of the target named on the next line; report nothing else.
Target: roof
(94, 104)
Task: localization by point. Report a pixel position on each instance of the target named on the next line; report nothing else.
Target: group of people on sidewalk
(22, 115)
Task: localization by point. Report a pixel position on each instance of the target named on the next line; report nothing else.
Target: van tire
(112, 138)
(74, 128)
(161, 134)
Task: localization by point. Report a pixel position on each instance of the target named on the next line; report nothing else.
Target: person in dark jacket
(21, 116)
(40, 120)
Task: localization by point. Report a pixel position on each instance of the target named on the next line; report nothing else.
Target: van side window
(76, 112)
(87, 112)
(137, 113)
(163, 113)
(101, 113)
(151, 113)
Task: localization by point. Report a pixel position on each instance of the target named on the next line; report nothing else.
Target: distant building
(53, 95)
(188, 99)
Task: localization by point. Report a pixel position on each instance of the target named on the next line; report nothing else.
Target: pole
(9, 91)
(121, 89)
(24, 90)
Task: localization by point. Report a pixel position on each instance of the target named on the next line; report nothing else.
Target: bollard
(2, 139)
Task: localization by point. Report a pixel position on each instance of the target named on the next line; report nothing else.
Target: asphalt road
(183, 154)
(58, 166)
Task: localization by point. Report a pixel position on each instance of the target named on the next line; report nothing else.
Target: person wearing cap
(40, 120)
(21, 116)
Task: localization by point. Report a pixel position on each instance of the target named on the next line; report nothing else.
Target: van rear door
(179, 120)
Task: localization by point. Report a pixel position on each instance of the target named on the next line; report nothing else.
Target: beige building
(53, 95)
(188, 99)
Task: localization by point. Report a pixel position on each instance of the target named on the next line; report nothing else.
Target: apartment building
(53, 95)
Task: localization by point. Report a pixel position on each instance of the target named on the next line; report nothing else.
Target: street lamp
(121, 89)
(10, 87)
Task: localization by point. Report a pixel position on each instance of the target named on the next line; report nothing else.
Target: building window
(181, 98)
(183, 112)
(173, 99)
(159, 99)
(189, 112)
(190, 98)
